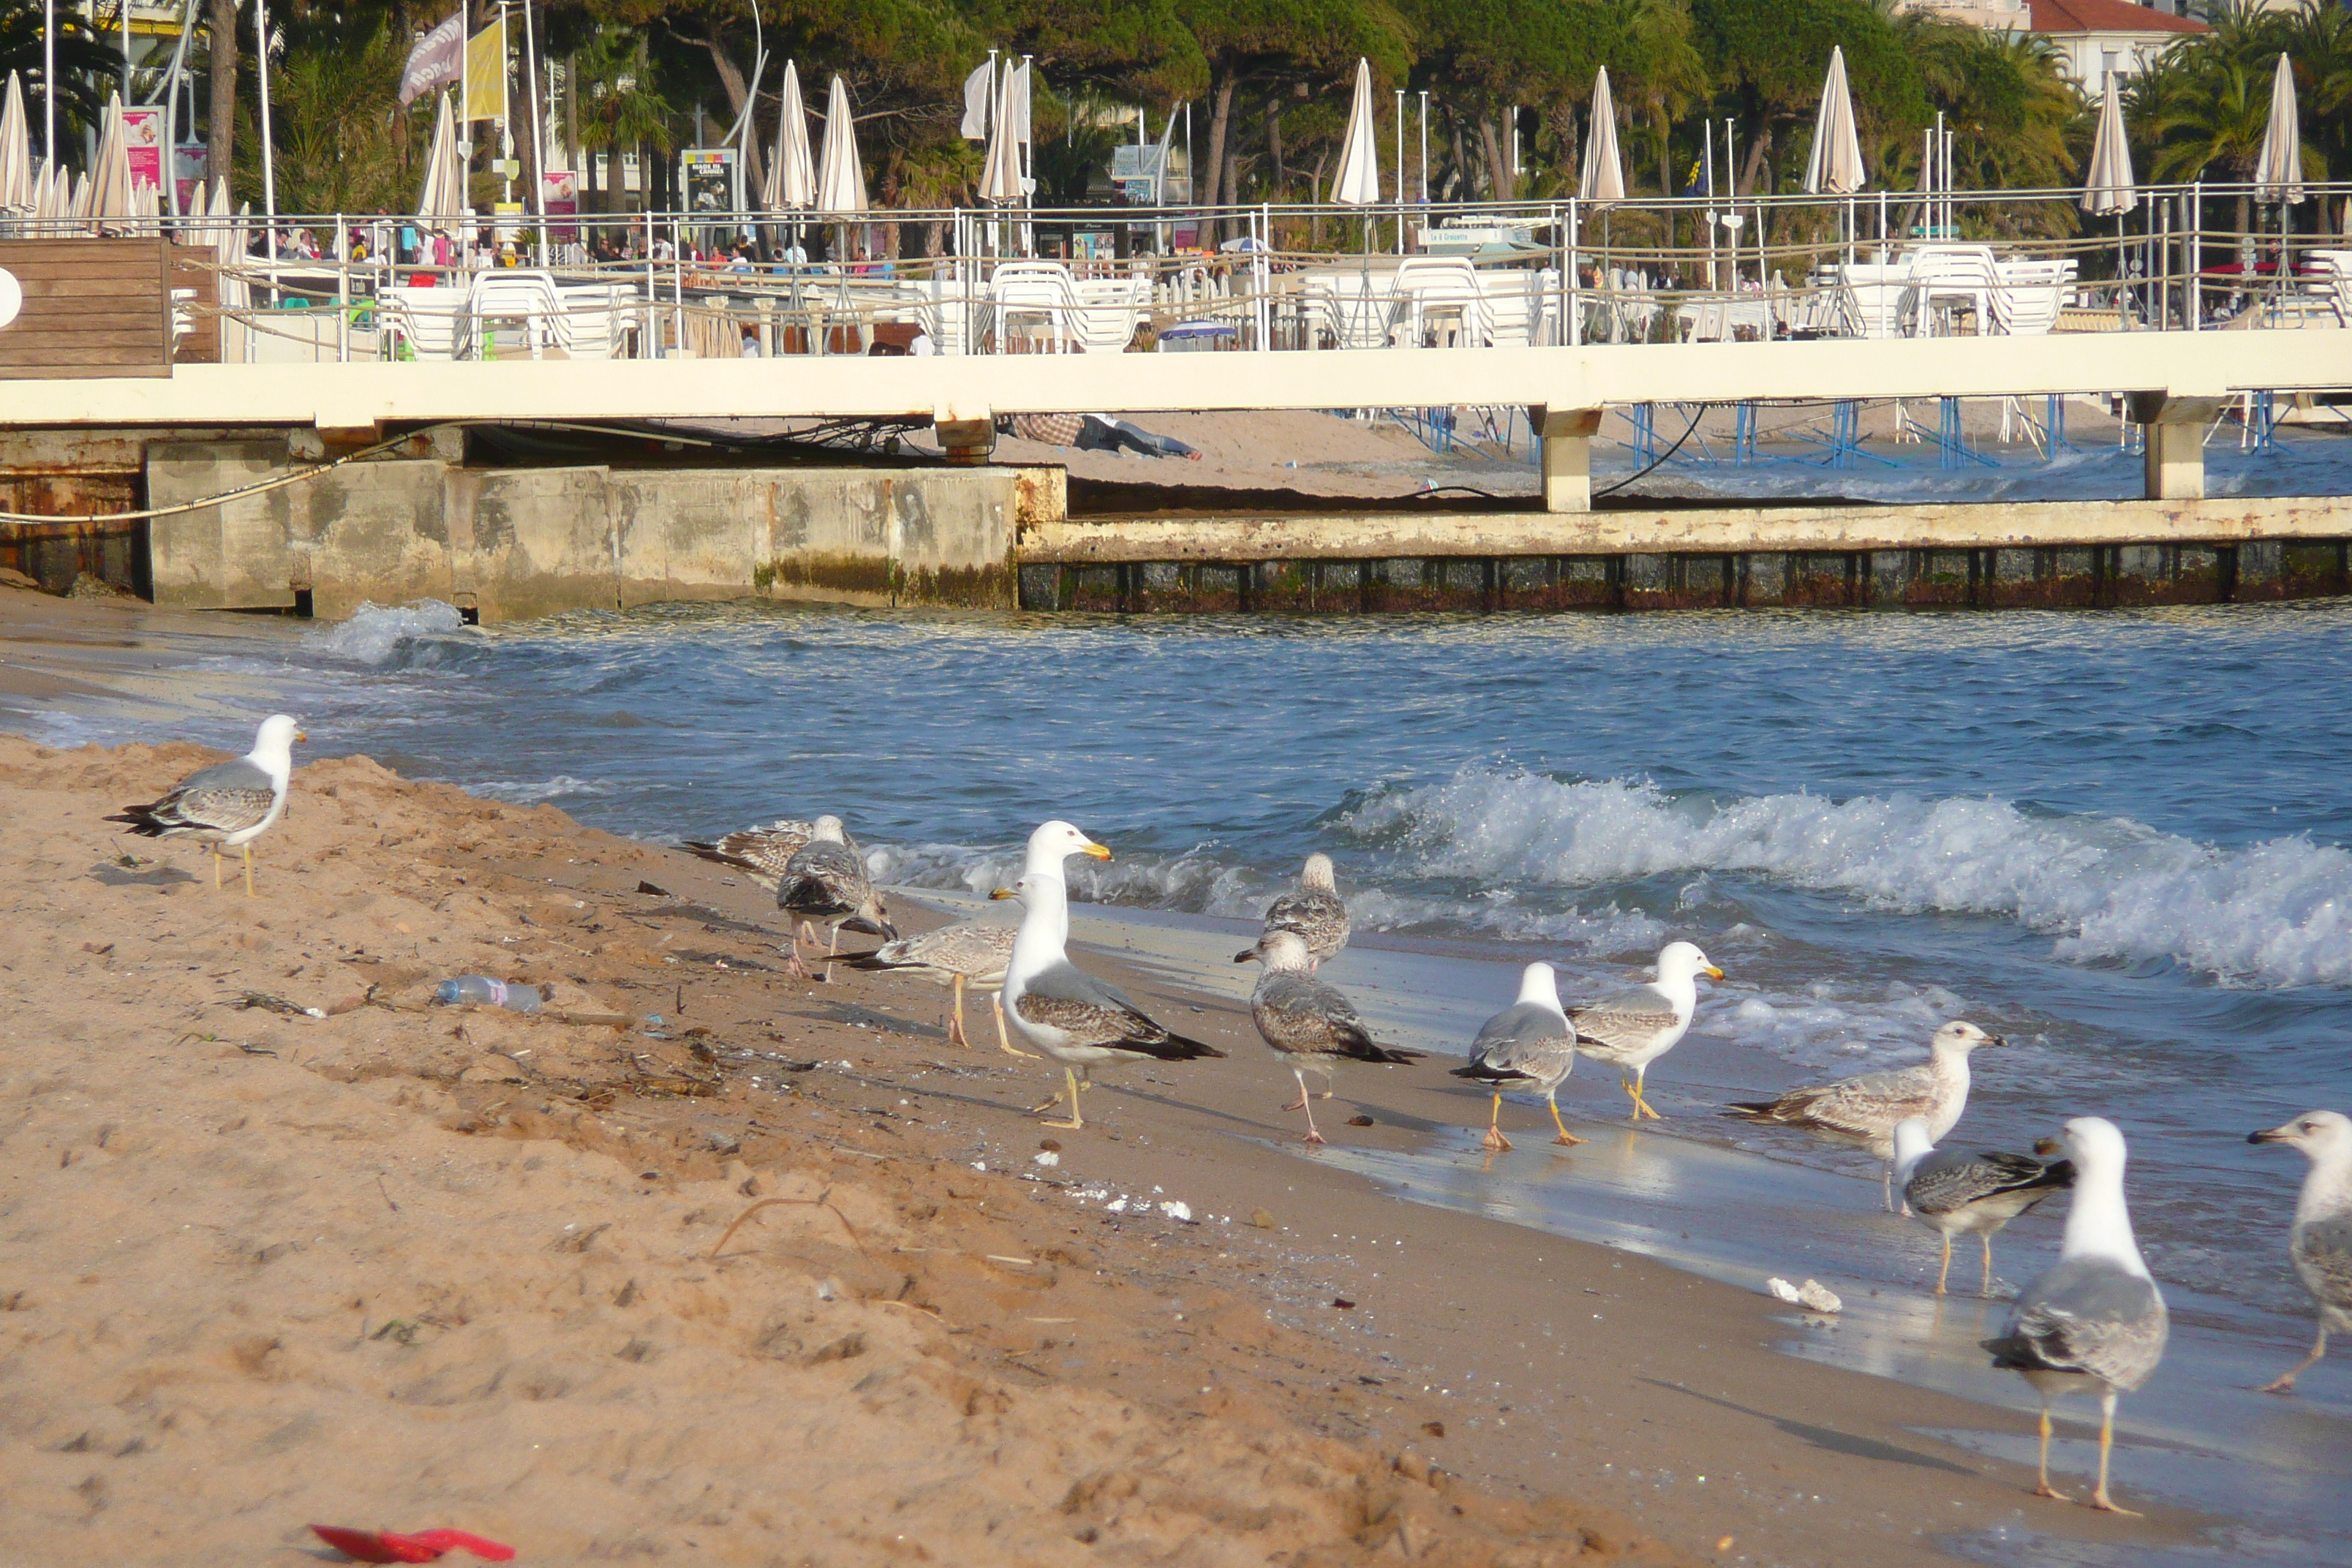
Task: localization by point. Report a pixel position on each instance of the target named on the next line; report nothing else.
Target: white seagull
(2321, 1240)
(1314, 911)
(1073, 1018)
(1308, 1023)
(2094, 1321)
(228, 805)
(1631, 1028)
(1529, 1044)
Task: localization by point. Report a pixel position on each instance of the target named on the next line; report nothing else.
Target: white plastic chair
(1948, 274)
(2334, 269)
(1034, 291)
(1430, 287)
(1110, 310)
(433, 320)
(2029, 295)
(528, 297)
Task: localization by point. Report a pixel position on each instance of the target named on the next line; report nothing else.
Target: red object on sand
(425, 1546)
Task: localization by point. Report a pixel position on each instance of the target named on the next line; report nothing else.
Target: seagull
(2321, 1240)
(2094, 1322)
(1314, 912)
(1963, 1194)
(1863, 1110)
(1631, 1028)
(1309, 1022)
(761, 853)
(968, 953)
(1067, 1012)
(1529, 1044)
(228, 805)
(826, 877)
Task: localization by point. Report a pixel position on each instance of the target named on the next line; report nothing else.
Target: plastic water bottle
(482, 989)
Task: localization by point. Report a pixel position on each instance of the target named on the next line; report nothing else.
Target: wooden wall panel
(92, 308)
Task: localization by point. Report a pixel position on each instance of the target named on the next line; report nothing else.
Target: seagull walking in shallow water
(1310, 1024)
(228, 805)
(1529, 1044)
(1863, 1110)
(2094, 1322)
(1960, 1194)
(1631, 1028)
(2320, 1241)
(1079, 1021)
(1315, 913)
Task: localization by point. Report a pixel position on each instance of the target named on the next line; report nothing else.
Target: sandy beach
(413, 1266)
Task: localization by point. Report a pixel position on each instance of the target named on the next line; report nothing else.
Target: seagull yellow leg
(2045, 1488)
(1565, 1135)
(1641, 1099)
(2100, 1499)
(217, 859)
(1003, 1040)
(1494, 1138)
(2285, 1383)
(1946, 1271)
(1986, 1289)
(248, 870)
(1076, 1120)
(955, 1024)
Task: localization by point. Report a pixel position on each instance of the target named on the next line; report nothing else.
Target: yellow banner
(485, 73)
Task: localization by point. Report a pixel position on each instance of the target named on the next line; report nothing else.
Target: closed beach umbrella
(1358, 181)
(1603, 180)
(840, 179)
(2109, 190)
(792, 179)
(2278, 173)
(1836, 165)
(109, 188)
(1000, 172)
(15, 151)
(445, 173)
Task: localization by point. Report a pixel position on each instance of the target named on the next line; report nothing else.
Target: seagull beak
(1245, 955)
(1004, 893)
(1995, 1040)
(1094, 850)
(1713, 972)
(2275, 1135)
(2048, 1146)
(302, 734)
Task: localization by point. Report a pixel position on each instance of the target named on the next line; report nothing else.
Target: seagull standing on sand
(966, 954)
(825, 879)
(1863, 1110)
(1073, 1018)
(1308, 1022)
(1969, 1194)
(229, 806)
(1529, 1044)
(2321, 1240)
(759, 853)
(2094, 1322)
(1630, 1029)
(1313, 913)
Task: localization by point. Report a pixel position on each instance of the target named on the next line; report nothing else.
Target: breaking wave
(2276, 912)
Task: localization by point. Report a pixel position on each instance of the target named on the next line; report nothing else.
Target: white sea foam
(377, 634)
(1196, 882)
(2276, 912)
(535, 791)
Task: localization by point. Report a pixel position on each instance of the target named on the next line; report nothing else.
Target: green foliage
(88, 69)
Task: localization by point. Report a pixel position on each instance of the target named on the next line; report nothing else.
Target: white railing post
(1571, 285)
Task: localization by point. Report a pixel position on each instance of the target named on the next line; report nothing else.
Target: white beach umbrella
(1000, 172)
(2278, 173)
(1836, 165)
(110, 194)
(1020, 87)
(15, 151)
(1357, 183)
(78, 204)
(1603, 179)
(791, 177)
(2109, 191)
(444, 197)
(840, 178)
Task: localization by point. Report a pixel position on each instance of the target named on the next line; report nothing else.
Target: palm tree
(619, 106)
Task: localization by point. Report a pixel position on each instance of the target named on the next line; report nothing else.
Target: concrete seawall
(510, 543)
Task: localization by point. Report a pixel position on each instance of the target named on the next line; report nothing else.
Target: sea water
(2123, 840)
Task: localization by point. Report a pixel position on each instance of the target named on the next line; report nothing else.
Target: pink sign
(558, 194)
(143, 130)
(188, 163)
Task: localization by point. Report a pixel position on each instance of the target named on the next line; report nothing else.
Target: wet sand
(411, 1266)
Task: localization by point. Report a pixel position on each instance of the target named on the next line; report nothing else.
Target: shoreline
(261, 1181)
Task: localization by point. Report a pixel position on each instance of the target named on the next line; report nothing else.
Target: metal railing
(1263, 278)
